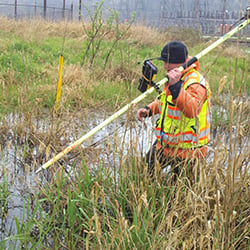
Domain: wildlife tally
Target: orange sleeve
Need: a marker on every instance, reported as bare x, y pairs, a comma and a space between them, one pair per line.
154, 106
190, 101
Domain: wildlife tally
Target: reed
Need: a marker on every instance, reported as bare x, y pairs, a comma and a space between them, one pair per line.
4, 195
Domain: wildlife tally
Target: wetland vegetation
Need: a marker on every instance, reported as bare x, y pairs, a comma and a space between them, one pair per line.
98, 196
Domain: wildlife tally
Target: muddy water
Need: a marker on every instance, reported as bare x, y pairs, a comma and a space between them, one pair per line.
120, 134
21, 185
21, 179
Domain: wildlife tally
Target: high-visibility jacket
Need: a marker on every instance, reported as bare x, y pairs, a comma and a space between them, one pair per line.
173, 128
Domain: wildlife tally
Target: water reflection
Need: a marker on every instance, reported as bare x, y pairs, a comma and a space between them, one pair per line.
124, 134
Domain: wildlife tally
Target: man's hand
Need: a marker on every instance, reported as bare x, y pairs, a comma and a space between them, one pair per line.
143, 112
174, 76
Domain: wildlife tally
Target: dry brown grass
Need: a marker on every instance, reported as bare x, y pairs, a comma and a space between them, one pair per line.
233, 50
138, 33
145, 35
76, 75
8, 78
39, 28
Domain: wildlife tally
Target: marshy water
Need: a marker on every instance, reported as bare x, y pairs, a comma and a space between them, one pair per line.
23, 150
19, 161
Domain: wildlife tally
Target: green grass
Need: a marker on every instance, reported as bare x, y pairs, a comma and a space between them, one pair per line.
4, 194
30, 65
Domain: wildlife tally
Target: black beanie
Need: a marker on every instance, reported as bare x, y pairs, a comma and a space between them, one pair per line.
174, 52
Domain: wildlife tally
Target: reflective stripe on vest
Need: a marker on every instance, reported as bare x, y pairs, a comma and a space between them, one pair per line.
174, 113
186, 137
178, 129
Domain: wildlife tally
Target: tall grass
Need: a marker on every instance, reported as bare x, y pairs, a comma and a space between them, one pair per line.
98, 197
93, 208
4, 195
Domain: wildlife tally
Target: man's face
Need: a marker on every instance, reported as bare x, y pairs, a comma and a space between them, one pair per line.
170, 66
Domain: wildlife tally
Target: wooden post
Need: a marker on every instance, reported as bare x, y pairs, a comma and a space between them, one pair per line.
63, 14
71, 12
80, 9
35, 8
15, 9
44, 8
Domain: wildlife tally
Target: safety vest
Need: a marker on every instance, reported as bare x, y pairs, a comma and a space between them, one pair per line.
174, 129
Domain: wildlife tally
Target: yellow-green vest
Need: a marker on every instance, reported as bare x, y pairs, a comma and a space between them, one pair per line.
178, 130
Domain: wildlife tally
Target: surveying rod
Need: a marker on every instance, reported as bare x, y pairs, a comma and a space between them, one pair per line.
142, 96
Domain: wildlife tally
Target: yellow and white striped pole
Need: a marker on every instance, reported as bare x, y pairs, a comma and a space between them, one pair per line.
141, 97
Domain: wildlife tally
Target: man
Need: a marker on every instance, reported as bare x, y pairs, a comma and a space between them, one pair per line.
183, 130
